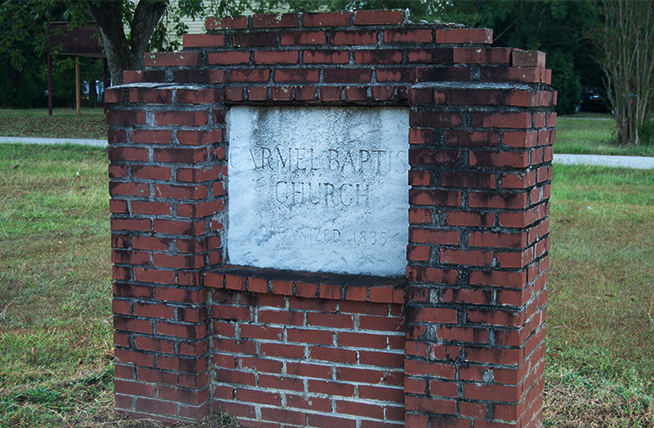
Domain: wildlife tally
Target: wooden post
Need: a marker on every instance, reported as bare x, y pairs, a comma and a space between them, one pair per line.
77, 88
49, 84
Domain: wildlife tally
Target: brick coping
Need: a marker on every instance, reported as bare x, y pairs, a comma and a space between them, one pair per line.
320, 285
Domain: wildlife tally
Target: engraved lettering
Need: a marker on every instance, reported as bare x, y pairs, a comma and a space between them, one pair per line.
277, 198
365, 195
313, 167
297, 192
299, 159
348, 161
318, 189
329, 193
403, 157
343, 197
315, 201
266, 155
254, 162
281, 158
364, 156
379, 159
334, 164
233, 158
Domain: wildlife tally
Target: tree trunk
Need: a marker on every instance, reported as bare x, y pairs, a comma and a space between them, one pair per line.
123, 53
627, 44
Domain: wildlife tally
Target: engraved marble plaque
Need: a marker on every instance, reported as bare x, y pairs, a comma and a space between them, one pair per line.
321, 189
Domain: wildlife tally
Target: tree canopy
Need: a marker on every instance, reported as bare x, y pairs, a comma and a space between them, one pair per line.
582, 38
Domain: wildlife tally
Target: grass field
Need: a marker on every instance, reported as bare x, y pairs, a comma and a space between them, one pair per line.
600, 361
55, 290
592, 134
56, 331
64, 123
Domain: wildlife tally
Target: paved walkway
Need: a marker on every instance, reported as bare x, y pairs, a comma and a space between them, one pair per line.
635, 162
97, 143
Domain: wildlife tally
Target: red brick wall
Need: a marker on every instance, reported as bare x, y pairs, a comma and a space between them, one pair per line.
285, 356
194, 335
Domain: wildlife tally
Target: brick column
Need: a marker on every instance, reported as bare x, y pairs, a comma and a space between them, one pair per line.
481, 168
167, 200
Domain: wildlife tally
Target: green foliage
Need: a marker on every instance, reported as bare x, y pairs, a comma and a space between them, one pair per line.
565, 81
22, 88
646, 133
23, 67
555, 27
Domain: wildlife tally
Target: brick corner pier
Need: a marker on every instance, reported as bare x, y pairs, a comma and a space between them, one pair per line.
458, 341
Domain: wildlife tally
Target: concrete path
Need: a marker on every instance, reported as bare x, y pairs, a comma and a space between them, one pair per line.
635, 162
97, 143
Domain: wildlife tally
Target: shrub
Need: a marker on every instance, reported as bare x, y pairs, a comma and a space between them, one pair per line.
646, 133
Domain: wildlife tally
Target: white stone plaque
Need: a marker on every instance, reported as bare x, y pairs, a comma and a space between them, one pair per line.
321, 189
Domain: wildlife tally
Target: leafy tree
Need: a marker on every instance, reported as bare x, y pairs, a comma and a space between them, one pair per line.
22, 52
552, 26
625, 41
128, 29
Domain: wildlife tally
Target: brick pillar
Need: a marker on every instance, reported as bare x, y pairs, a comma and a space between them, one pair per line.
167, 201
480, 175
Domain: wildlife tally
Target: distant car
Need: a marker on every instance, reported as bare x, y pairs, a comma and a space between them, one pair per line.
595, 101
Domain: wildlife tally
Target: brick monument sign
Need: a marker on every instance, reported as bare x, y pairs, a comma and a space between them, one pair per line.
332, 220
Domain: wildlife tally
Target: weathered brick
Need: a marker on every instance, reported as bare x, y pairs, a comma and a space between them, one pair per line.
326, 19
354, 37
276, 57
274, 20
464, 35
229, 22
303, 38
408, 35
325, 57
203, 40
164, 59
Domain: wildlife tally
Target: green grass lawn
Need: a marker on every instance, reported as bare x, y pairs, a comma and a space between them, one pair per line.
64, 123
592, 134
56, 331
600, 361
55, 293
55, 290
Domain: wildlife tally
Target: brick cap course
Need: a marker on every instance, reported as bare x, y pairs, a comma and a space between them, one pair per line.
332, 286
161, 85
473, 85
